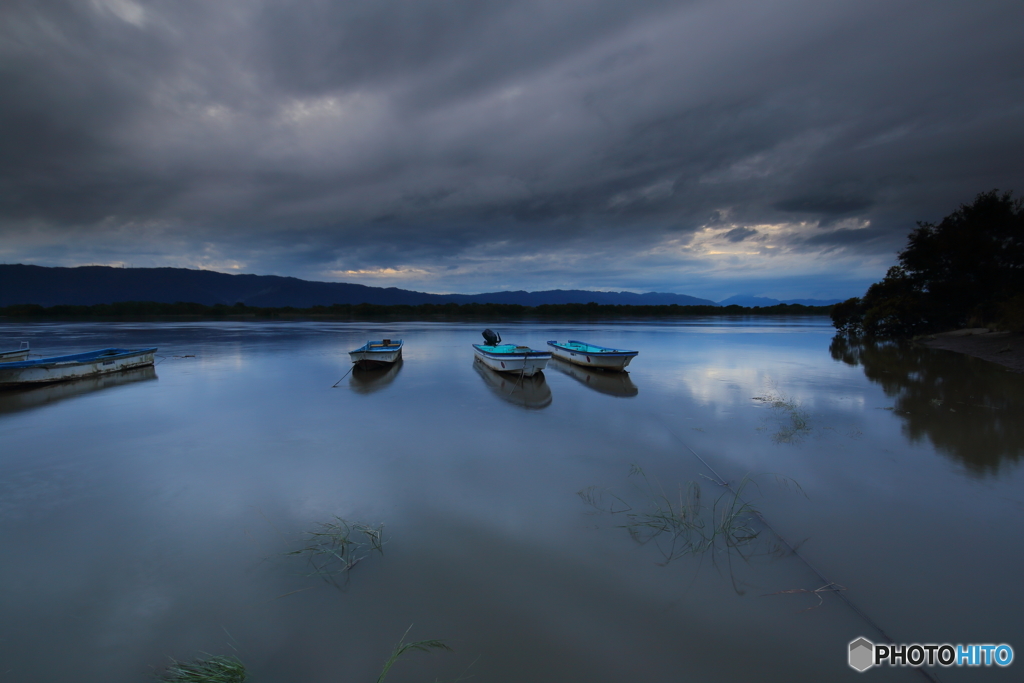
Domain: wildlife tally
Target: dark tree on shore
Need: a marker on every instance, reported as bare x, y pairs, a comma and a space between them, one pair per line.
968, 269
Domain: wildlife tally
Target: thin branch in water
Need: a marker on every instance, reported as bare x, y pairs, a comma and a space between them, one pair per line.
831, 587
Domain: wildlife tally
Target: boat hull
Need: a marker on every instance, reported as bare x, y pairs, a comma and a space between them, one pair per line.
520, 360
375, 359
377, 354
66, 368
590, 356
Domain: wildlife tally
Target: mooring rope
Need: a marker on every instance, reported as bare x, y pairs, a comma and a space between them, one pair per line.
521, 374
342, 377
867, 619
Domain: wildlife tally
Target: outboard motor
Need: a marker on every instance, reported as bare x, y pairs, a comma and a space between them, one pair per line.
491, 338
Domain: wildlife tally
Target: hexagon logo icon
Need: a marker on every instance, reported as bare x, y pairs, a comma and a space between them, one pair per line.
862, 654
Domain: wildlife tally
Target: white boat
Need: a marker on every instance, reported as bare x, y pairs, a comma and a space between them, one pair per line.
591, 355
15, 354
75, 366
374, 354
521, 360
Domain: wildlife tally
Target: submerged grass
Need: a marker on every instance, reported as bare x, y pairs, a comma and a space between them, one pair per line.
216, 669
220, 669
682, 523
792, 423
403, 647
335, 547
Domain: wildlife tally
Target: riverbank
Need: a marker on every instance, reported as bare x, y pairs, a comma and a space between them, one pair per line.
153, 311
1004, 348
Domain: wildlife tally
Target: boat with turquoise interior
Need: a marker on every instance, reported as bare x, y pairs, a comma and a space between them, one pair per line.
74, 366
592, 355
521, 360
375, 354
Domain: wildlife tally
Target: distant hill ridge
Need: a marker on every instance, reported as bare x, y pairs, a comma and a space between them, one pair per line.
91, 285
751, 301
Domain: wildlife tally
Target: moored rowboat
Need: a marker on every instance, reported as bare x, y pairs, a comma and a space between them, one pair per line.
75, 366
377, 353
510, 357
15, 354
591, 355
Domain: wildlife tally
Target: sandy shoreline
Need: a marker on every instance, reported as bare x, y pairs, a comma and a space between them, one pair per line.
1004, 348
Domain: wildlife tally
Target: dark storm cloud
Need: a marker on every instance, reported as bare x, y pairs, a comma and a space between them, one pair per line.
301, 138
739, 234
825, 205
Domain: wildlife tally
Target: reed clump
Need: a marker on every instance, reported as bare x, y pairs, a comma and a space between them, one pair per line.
792, 422
402, 647
335, 547
681, 522
220, 669
216, 669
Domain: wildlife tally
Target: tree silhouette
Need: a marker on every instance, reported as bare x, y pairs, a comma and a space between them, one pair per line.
969, 267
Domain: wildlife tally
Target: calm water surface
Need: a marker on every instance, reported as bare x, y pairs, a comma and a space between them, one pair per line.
148, 515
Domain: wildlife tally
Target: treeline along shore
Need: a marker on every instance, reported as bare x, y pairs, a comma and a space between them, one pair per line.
133, 310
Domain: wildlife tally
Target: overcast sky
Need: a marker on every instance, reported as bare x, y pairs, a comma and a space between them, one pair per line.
779, 148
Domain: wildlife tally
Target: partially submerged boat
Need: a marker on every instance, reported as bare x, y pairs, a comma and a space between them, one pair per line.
509, 357
591, 355
375, 354
74, 366
15, 354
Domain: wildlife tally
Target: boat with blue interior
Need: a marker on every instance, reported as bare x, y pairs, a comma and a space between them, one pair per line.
375, 354
74, 366
510, 357
592, 355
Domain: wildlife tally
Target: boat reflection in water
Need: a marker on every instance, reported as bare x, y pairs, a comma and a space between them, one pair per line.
368, 380
611, 383
15, 399
531, 392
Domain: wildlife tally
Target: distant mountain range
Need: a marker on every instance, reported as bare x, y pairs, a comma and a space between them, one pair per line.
751, 301
90, 285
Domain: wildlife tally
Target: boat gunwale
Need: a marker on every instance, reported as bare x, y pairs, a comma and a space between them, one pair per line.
532, 353
380, 347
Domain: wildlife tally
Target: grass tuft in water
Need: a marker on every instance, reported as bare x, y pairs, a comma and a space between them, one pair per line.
680, 523
403, 647
792, 422
335, 547
216, 669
